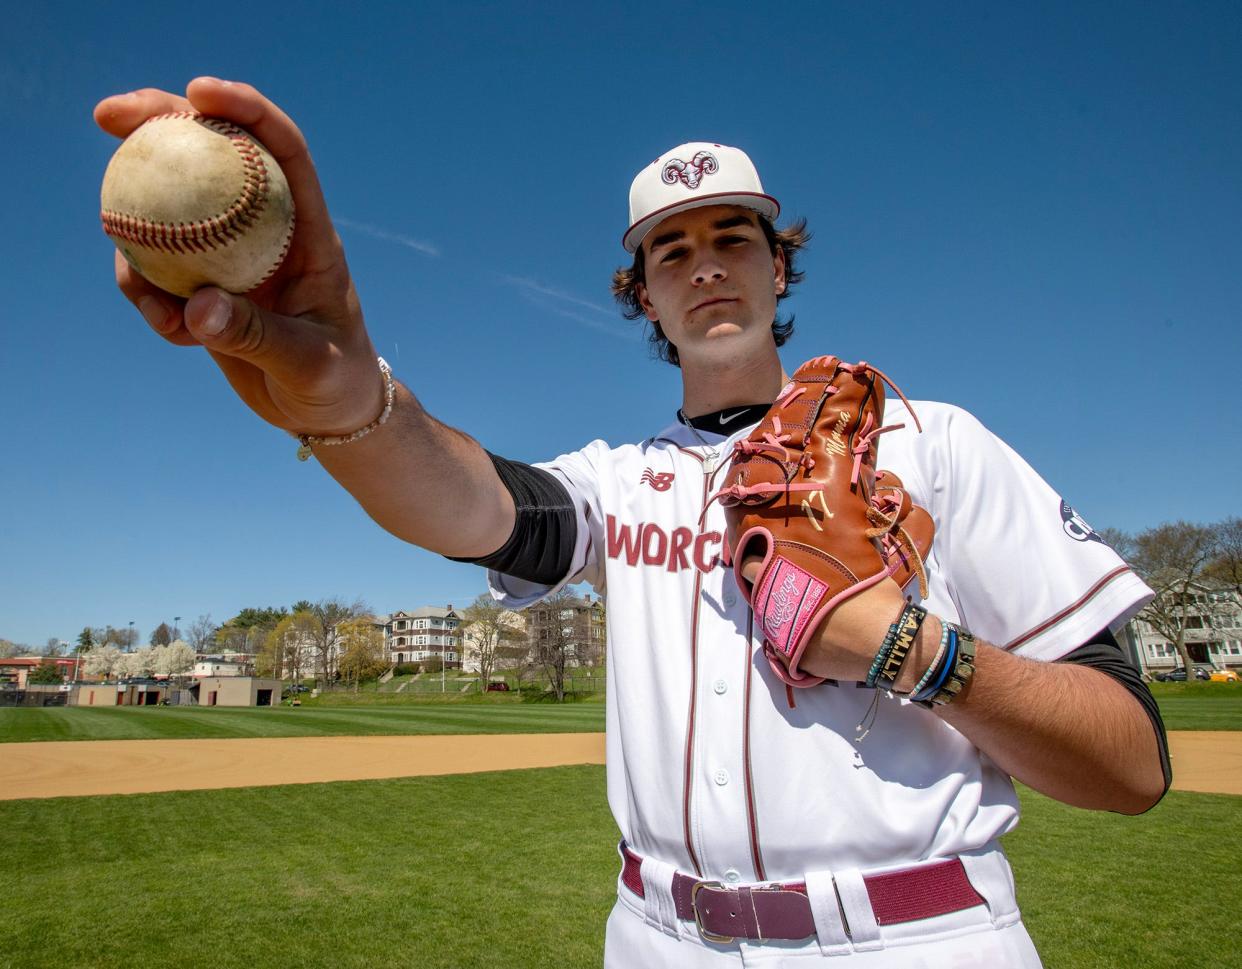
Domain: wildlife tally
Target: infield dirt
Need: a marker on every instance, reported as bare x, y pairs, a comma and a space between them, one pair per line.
1208, 761
75, 768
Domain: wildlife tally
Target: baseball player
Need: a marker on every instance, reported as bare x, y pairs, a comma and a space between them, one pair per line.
763, 824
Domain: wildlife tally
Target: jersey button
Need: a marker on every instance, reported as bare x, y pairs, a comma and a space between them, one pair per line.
730, 598
721, 777
720, 686
733, 876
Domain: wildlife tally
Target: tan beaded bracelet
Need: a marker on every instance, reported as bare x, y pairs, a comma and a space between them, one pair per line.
307, 441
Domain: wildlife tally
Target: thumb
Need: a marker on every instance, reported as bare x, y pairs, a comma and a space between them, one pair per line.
236, 327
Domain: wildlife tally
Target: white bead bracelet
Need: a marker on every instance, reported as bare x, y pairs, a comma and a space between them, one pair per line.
390, 393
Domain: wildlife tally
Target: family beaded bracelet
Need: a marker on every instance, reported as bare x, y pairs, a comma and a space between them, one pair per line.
306, 441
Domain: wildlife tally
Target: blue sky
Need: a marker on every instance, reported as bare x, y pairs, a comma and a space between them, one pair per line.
1031, 212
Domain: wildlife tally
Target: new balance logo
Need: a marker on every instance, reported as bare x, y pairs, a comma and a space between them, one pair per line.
660, 482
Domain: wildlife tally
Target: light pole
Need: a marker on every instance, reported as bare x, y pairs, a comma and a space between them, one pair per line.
176, 632
129, 640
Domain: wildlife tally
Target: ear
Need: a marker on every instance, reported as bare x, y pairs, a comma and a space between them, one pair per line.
644, 300
778, 264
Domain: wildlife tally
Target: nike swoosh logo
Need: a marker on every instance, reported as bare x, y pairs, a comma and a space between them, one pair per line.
731, 417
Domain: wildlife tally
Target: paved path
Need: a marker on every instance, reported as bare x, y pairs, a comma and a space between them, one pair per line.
1209, 761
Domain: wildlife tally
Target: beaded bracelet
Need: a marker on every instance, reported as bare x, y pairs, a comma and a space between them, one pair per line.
885, 648
963, 670
390, 393
924, 696
958, 672
909, 624
934, 667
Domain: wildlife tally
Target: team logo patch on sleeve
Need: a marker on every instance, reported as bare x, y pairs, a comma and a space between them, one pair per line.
1076, 526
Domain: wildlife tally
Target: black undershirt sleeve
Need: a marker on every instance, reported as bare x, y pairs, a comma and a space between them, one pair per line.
1103, 653
541, 546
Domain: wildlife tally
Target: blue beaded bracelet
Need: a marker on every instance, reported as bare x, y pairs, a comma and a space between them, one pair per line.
948, 663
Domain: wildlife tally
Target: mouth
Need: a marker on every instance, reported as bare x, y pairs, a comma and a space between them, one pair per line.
712, 302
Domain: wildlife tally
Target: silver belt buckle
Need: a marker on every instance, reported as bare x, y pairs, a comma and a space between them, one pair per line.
698, 919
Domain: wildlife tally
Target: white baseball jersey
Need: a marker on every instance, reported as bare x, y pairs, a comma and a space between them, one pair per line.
710, 770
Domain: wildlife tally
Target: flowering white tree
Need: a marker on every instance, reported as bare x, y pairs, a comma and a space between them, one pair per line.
138, 663
174, 659
101, 661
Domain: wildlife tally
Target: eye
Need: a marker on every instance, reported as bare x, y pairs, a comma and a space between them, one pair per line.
733, 240
673, 254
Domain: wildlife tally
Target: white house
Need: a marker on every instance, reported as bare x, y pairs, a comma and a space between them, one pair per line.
429, 632
1213, 633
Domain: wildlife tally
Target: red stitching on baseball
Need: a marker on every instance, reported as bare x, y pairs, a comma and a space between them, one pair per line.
210, 233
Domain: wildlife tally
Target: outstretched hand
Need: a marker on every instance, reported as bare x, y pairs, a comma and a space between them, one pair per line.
295, 349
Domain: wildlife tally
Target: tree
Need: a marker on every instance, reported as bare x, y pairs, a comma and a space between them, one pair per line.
162, 635
173, 659
1173, 559
488, 627
52, 647
86, 639
362, 650
1226, 568
101, 661
202, 633
331, 613
8, 648
141, 662
267, 618
248, 629
286, 650
45, 672
556, 642
111, 636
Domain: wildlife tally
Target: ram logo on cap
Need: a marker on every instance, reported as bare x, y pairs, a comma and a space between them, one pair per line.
670, 184
690, 173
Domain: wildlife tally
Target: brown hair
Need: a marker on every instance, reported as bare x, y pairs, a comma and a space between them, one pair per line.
625, 281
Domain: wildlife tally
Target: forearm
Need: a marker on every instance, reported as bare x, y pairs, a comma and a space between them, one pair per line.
425, 482
1067, 731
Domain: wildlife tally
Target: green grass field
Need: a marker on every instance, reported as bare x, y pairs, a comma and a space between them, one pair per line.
1200, 706
146, 723
513, 869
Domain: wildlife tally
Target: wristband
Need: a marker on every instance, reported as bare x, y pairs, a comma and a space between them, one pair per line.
934, 666
942, 671
963, 670
885, 649
907, 631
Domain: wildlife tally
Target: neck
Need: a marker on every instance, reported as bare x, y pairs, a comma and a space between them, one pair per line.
712, 386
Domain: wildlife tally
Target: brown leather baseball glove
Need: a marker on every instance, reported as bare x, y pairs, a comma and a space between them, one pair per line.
803, 495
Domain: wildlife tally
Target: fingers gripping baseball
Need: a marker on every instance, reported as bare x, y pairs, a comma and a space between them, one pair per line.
294, 348
297, 374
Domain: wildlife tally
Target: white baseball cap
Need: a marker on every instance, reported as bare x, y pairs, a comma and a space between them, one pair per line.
689, 176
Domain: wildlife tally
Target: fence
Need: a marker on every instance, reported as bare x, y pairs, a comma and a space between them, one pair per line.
34, 698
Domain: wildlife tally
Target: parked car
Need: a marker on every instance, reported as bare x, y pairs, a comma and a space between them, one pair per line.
498, 687
1179, 675
1225, 676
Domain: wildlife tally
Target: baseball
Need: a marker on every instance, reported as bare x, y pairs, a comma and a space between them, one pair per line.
193, 201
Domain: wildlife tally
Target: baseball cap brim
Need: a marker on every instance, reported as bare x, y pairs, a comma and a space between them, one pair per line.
765, 205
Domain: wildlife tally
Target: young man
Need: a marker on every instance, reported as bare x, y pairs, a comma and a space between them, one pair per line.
756, 831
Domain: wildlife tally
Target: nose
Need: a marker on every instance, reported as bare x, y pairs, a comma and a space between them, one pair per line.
708, 270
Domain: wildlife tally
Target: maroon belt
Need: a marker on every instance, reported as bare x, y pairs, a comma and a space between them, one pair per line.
783, 911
